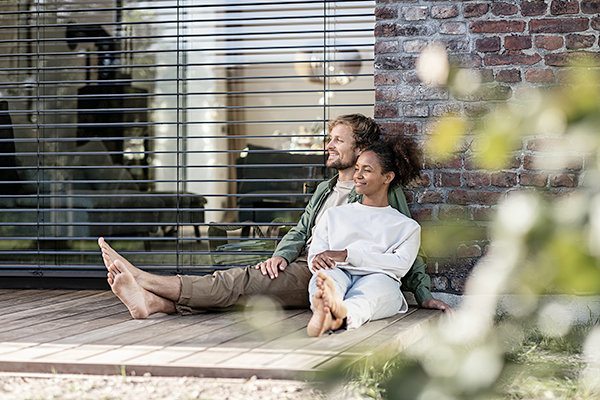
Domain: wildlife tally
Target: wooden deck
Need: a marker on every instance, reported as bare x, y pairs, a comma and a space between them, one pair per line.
91, 332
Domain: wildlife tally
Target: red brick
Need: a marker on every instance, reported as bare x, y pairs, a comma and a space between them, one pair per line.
485, 198
466, 197
590, 6
549, 144
488, 44
517, 42
504, 179
444, 12
497, 26
459, 283
387, 47
563, 180
575, 42
386, 94
439, 283
564, 76
474, 10
411, 78
533, 8
595, 23
387, 29
394, 63
548, 42
539, 75
558, 25
452, 266
385, 78
567, 59
416, 110
385, 13
478, 213
527, 93
531, 163
422, 181
453, 162
399, 128
564, 7
430, 197
512, 58
477, 179
410, 197
574, 163
451, 213
385, 111
504, 9
486, 75
447, 179
422, 214
469, 251
538, 180
465, 60
476, 110
508, 76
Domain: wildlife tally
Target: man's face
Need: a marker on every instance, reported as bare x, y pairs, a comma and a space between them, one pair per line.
342, 149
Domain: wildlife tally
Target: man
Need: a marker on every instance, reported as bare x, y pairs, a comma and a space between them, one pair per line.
288, 273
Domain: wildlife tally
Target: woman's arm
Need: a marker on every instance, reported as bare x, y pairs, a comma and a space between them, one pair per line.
396, 263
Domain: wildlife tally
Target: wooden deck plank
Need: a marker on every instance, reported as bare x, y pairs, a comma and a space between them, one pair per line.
60, 303
210, 326
167, 329
42, 315
67, 326
92, 332
41, 298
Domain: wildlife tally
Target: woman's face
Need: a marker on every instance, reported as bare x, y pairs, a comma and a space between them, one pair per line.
368, 175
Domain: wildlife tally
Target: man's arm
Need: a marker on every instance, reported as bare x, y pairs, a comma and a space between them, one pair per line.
291, 245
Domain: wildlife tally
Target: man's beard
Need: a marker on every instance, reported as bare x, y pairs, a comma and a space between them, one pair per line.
341, 165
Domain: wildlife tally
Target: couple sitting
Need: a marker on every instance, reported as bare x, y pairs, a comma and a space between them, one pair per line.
356, 272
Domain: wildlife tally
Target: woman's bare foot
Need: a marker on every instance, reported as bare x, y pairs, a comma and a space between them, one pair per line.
323, 318
331, 298
139, 301
110, 255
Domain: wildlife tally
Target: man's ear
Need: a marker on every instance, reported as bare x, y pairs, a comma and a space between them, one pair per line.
389, 177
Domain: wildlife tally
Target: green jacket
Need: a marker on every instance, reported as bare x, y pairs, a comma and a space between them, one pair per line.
293, 242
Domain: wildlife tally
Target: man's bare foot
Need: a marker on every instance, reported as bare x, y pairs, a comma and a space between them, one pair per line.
124, 285
331, 298
324, 318
110, 255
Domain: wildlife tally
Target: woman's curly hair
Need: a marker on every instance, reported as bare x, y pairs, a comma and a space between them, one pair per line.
399, 154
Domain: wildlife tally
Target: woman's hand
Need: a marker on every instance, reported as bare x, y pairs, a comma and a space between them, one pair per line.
327, 259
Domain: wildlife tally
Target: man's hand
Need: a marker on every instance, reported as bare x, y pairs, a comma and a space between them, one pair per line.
437, 304
272, 266
327, 259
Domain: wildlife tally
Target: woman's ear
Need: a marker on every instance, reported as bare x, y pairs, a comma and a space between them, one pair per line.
389, 177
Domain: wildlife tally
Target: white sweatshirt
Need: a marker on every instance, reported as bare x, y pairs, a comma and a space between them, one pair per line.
378, 239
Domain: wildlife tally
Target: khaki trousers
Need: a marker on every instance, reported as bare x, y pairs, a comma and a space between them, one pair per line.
235, 286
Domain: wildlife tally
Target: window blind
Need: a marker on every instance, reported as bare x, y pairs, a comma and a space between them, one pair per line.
188, 134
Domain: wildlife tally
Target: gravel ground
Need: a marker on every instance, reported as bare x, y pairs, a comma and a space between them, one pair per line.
89, 387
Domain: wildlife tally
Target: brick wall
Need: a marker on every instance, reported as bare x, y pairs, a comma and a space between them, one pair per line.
516, 46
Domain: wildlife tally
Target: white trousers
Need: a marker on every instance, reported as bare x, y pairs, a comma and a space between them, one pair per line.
367, 297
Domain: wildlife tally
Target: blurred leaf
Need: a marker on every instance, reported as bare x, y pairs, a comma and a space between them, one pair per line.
447, 137
500, 137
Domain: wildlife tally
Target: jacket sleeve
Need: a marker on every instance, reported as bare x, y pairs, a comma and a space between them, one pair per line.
416, 279
293, 242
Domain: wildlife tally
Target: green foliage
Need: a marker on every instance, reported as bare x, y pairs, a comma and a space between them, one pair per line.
540, 246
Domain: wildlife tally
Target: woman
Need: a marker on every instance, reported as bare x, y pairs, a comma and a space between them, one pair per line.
361, 250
